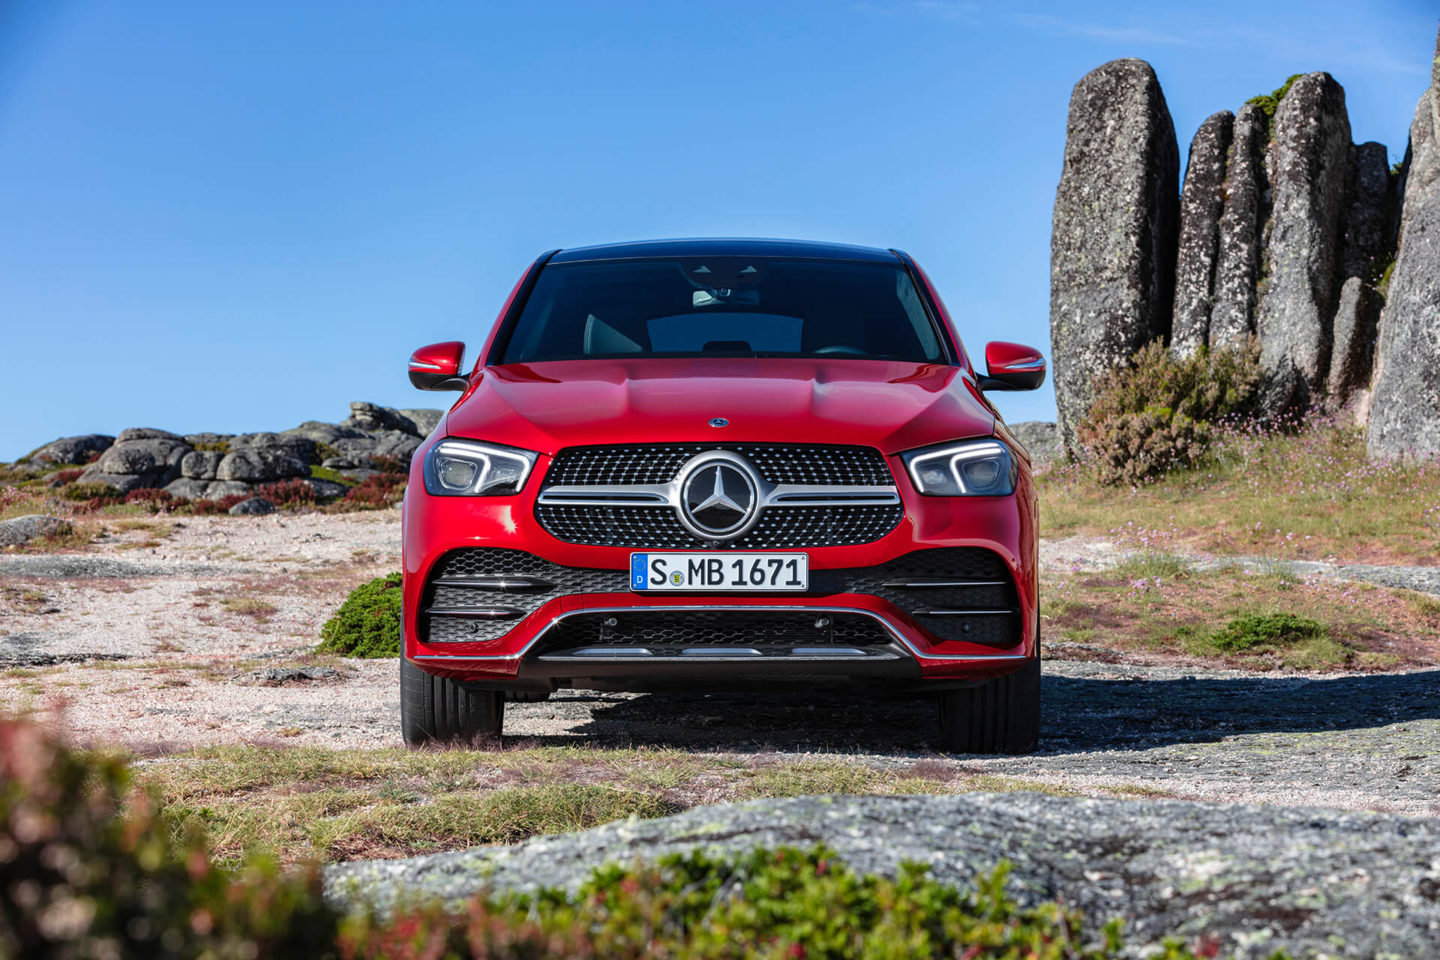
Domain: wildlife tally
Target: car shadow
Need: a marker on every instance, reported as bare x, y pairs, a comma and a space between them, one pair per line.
1079, 714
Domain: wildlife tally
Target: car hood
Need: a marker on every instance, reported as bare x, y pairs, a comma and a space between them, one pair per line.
893, 406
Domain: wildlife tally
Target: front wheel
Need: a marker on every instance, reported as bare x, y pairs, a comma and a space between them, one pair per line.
999, 716
440, 710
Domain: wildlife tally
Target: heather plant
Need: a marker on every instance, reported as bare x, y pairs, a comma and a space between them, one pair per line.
367, 623
287, 493
90, 867
1163, 413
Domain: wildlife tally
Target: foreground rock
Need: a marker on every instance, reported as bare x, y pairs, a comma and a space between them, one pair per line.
1259, 878
1405, 413
1112, 250
21, 530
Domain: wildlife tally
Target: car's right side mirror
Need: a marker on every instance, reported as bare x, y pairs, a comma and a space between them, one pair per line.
1011, 366
437, 367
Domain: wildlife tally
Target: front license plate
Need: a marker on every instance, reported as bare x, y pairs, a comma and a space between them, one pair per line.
656, 572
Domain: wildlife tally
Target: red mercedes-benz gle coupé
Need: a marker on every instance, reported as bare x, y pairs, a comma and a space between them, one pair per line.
720, 463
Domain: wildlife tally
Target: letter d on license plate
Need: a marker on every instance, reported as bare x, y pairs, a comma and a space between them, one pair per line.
754, 572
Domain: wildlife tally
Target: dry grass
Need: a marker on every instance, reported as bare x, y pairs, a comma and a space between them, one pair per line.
1309, 495
1160, 604
314, 802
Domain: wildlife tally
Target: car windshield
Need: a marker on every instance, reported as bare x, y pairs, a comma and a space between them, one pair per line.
723, 306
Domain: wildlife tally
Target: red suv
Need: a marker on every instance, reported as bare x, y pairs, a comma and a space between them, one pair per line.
720, 463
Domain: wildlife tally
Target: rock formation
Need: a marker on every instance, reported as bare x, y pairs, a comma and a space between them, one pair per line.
1201, 202
1232, 317
214, 466
1112, 250
1405, 412
1311, 165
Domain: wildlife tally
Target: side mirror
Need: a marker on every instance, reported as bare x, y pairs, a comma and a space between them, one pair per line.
437, 367
1011, 366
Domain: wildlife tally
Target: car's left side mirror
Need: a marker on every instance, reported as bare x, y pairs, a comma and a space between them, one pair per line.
1011, 366
437, 367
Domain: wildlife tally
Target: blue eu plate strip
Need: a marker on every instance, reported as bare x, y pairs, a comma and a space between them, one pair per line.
639, 570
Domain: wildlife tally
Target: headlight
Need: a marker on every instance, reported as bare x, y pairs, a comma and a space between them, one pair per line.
464, 468
974, 468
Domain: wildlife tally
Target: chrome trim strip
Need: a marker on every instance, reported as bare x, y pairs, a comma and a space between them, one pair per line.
423, 365
923, 584
710, 608
669, 495
1024, 366
475, 613
963, 613
494, 583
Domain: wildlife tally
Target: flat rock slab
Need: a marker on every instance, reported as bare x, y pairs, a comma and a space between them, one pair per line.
75, 566
1259, 878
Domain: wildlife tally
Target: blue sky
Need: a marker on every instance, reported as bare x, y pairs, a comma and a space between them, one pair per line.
237, 216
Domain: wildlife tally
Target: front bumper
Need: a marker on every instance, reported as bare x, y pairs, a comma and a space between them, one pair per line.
491, 597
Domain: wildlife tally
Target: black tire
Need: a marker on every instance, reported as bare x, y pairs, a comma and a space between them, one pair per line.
438, 710
999, 716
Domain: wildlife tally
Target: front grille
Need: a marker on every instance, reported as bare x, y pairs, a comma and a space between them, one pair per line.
659, 630
459, 582
779, 463
653, 527
658, 528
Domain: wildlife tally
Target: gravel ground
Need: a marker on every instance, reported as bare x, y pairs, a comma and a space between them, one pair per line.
1253, 878
180, 660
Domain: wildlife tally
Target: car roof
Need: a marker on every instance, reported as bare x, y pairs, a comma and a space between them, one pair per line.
724, 247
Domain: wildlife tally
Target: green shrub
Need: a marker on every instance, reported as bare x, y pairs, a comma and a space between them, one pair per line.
1267, 631
91, 868
1270, 102
102, 492
367, 623
775, 904
1161, 413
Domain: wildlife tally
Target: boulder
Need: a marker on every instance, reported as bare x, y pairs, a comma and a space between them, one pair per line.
220, 489
326, 489
1368, 234
1039, 438
277, 444
260, 465
1405, 414
370, 418
1237, 267
155, 458
21, 530
1311, 169
254, 507
1201, 203
147, 433
1354, 337
425, 420
323, 432
1112, 248
73, 449
120, 482
390, 444
201, 464
187, 488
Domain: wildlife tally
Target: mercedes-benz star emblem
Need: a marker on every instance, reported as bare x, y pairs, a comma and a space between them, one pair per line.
719, 496
719, 422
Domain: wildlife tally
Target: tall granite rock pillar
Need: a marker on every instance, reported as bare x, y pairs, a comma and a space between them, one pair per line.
1112, 249
1201, 202
1405, 414
1232, 317
1311, 163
